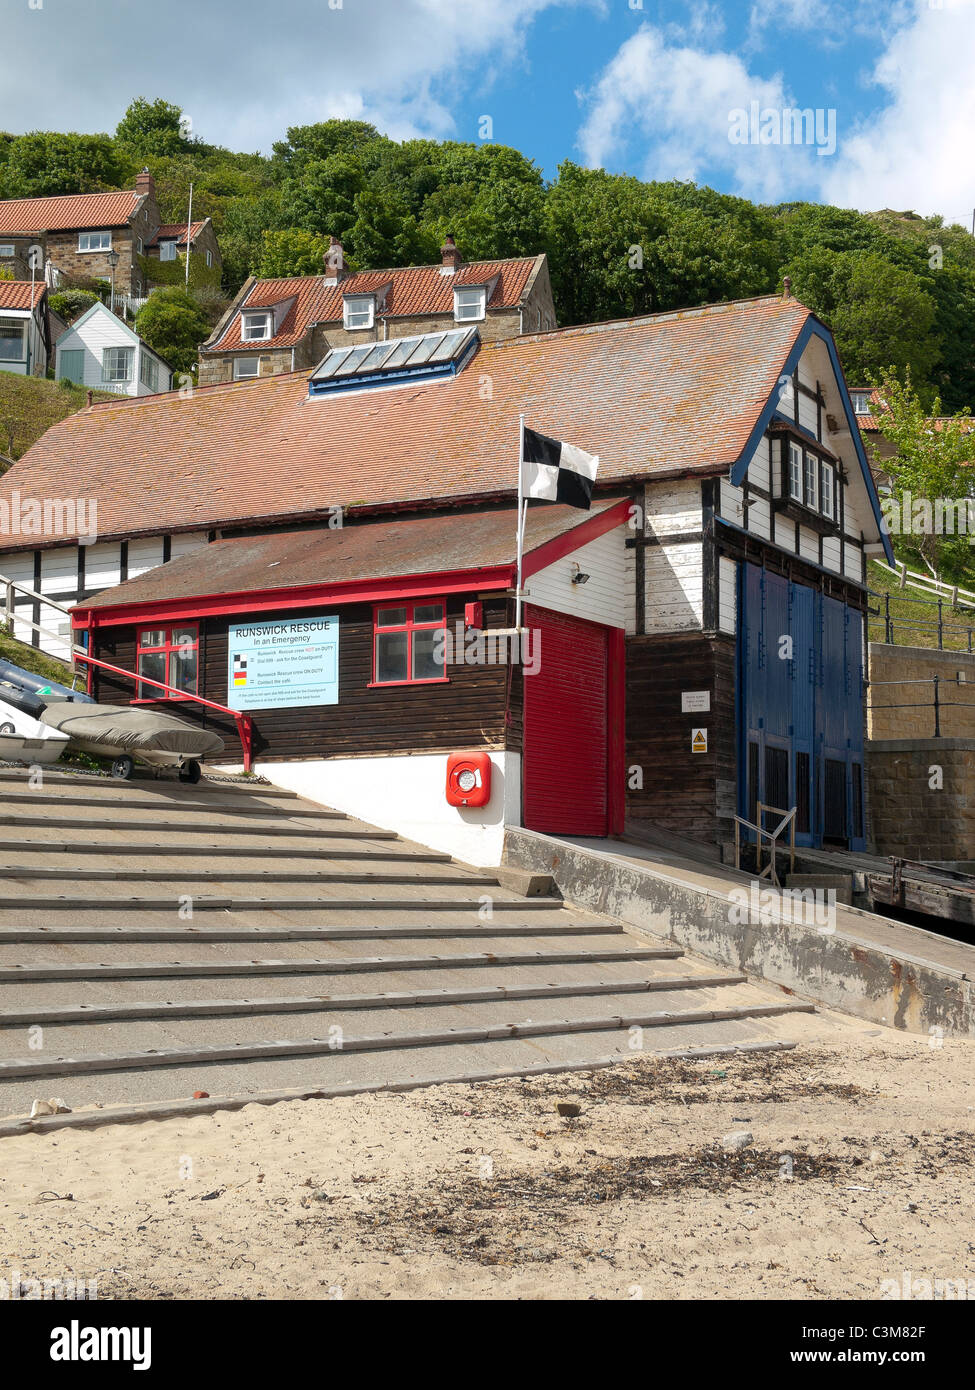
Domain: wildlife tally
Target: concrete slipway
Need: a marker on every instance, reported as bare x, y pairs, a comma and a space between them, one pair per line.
158, 939
860, 963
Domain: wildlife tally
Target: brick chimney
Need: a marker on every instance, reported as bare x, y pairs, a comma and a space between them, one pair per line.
145, 184
451, 258
335, 271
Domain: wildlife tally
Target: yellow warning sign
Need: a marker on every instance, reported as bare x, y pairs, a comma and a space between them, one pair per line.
699, 741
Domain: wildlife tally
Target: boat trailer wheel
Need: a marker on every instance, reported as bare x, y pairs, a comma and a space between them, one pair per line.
7, 728
123, 767
190, 771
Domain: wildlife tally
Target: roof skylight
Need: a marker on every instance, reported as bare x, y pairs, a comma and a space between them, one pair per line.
397, 359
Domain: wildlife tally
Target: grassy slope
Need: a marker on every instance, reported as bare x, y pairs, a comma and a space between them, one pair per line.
908, 607
31, 405
32, 660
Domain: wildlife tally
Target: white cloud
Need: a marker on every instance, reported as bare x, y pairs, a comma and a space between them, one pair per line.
916, 151
245, 70
669, 107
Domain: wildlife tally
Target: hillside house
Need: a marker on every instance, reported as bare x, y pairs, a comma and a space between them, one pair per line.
73, 237
696, 639
26, 328
276, 326
102, 352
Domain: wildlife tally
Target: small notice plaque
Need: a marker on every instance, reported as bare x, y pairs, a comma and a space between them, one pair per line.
699, 741
695, 701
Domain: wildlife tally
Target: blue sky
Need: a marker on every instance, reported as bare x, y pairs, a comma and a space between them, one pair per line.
647, 87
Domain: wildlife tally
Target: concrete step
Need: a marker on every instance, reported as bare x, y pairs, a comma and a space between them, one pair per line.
161, 782
630, 1016
216, 822
198, 874
28, 851
349, 964
165, 1009
114, 936
155, 1093
227, 839
271, 807
115, 896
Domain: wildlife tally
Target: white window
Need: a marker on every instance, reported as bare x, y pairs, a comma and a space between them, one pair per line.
861, 402
253, 327
138, 245
812, 481
795, 472
209, 259
167, 250
7, 249
359, 311
246, 367
826, 489
149, 371
94, 241
117, 364
12, 340
469, 303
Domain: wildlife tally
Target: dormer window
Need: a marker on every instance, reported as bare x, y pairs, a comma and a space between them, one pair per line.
861, 402
167, 250
808, 486
469, 303
359, 310
255, 326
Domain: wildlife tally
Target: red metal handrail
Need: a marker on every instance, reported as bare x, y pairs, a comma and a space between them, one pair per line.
245, 729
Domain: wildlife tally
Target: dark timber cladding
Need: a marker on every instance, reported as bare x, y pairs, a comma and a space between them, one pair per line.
466, 711
684, 794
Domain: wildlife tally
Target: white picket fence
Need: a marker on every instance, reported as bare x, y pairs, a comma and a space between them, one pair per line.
926, 584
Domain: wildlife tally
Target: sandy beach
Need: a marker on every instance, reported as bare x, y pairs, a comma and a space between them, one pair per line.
859, 1171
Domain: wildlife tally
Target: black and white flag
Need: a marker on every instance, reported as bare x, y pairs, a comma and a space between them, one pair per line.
557, 472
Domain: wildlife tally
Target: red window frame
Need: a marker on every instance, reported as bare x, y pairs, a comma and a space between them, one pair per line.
166, 649
409, 627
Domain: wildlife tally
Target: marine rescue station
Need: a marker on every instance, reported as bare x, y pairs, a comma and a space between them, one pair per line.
695, 641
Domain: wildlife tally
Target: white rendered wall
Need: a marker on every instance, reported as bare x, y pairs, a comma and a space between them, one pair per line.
406, 794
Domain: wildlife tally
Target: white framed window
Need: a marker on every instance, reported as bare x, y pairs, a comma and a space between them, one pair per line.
826, 489
7, 249
117, 364
12, 340
209, 259
469, 303
94, 241
359, 311
167, 250
812, 481
861, 402
149, 372
795, 472
254, 327
139, 246
246, 367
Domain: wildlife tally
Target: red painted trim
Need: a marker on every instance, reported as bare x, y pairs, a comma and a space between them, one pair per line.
569, 541
415, 586
616, 715
386, 685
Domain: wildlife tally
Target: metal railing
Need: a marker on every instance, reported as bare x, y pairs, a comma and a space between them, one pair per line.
935, 626
936, 704
788, 821
11, 587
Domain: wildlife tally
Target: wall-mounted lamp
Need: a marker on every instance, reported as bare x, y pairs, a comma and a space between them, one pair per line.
578, 577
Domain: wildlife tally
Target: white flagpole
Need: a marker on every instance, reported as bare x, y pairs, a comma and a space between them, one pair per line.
520, 542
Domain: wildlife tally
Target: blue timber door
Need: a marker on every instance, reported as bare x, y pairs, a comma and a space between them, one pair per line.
800, 710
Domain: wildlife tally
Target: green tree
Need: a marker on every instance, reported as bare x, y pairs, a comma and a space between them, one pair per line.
291, 252
172, 322
931, 467
880, 314
152, 128
70, 304
45, 163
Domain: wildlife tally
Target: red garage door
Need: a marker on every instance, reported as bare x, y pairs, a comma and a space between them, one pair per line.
566, 750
